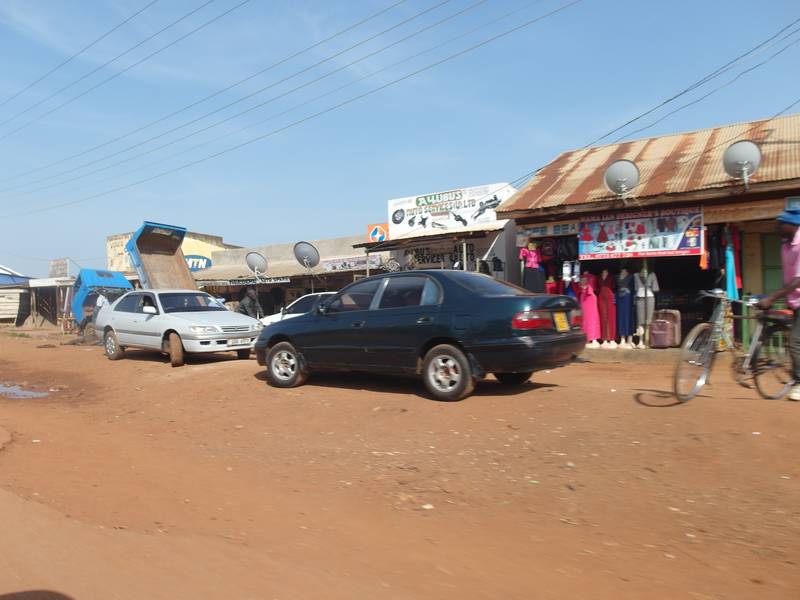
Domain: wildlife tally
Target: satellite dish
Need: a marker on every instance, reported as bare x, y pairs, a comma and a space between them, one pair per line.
306, 254
741, 160
257, 263
622, 176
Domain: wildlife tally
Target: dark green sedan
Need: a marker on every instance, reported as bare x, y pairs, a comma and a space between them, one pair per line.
451, 327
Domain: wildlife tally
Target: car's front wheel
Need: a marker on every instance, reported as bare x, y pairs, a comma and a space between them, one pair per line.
284, 366
111, 343
176, 358
513, 378
447, 373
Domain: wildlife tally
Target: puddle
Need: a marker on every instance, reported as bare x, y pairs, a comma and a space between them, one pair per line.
16, 392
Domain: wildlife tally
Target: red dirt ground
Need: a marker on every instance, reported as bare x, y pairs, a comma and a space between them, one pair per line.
136, 480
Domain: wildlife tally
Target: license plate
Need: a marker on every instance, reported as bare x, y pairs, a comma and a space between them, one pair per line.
238, 341
561, 322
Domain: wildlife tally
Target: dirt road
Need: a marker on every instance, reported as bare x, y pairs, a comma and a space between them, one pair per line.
135, 480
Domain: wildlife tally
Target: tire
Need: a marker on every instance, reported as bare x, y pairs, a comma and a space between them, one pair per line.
285, 367
243, 354
694, 363
176, 358
772, 364
111, 344
513, 378
447, 373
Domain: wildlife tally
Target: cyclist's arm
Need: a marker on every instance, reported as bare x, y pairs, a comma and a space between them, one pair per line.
772, 298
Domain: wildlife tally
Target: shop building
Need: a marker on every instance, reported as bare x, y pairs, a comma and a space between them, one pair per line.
286, 279
14, 296
453, 229
678, 221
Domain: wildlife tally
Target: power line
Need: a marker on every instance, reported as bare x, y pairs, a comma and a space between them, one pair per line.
77, 54
293, 108
212, 95
309, 117
126, 69
693, 86
239, 114
246, 97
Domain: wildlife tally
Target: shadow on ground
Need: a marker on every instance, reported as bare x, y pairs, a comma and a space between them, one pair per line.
35, 595
355, 380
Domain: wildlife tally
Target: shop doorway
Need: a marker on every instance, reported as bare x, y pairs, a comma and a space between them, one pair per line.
771, 262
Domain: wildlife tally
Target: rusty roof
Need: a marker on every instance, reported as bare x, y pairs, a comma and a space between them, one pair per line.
672, 167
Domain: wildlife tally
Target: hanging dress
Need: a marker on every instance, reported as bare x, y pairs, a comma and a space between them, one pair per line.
625, 324
588, 300
606, 308
533, 276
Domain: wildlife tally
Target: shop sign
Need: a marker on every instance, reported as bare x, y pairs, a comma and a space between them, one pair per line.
248, 281
59, 267
644, 234
351, 263
545, 230
195, 262
378, 232
445, 254
452, 210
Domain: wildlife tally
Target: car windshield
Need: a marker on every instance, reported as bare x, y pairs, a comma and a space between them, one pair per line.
486, 285
189, 302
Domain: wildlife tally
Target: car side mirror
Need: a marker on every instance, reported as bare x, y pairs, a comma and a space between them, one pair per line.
149, 310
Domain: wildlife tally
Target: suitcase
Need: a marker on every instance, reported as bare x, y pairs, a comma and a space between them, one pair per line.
662, 334
674, 317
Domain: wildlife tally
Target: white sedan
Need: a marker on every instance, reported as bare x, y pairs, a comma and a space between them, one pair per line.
304, 304
175, 322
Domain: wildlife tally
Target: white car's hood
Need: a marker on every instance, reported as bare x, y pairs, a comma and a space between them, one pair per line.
213, 317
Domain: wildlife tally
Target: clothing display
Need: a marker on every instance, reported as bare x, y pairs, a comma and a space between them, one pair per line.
588, 298
533, 280
625, 324
606, 307
531, 258
646, 285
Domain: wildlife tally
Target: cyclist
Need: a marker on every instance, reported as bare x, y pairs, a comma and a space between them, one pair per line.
788, 227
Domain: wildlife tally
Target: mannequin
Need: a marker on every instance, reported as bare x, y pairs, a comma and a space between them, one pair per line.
606, 309
591, 317
646, 285
530, 262
625, 326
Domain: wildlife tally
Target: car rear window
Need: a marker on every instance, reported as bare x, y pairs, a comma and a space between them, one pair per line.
485, 285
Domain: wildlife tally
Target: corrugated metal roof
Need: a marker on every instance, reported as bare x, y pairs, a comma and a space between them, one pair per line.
670, 165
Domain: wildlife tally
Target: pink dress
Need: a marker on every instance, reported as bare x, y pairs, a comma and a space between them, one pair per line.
588, 299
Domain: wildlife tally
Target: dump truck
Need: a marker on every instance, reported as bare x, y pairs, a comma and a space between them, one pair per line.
88, 285
155, 251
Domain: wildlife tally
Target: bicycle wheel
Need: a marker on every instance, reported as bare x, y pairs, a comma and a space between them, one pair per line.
694, 362
772, 364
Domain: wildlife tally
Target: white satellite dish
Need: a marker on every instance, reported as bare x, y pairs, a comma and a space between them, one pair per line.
257, 263
621, 176
741, 160
308, 256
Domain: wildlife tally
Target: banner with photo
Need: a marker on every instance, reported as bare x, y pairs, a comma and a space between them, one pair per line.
643, 234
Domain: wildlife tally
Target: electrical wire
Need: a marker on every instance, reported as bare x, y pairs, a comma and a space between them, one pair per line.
126, 69
308, 118
213, 94
80, 52
252, 94
293, 108
234, 116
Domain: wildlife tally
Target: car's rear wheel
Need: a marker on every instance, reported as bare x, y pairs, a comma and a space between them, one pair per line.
447, 373
113, 350
176, 358
513, 378
243, 354
285, 367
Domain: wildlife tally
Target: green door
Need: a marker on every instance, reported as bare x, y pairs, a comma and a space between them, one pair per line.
771, 262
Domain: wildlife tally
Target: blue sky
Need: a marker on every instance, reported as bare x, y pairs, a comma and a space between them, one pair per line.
491, 115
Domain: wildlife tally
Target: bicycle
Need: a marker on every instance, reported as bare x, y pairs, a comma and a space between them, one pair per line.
768, 360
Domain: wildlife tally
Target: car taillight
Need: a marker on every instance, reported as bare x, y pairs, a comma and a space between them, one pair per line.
532, 319
576, 317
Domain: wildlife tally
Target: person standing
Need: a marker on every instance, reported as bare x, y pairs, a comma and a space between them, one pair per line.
788, 227
250, 305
